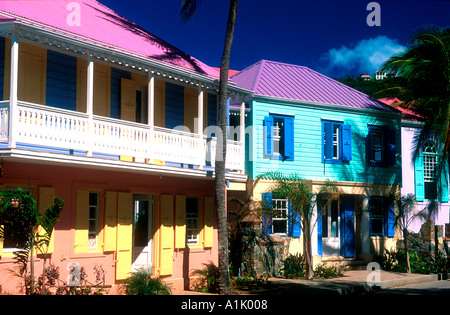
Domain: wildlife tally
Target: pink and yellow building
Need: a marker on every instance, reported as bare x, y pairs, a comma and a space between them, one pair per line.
121, 126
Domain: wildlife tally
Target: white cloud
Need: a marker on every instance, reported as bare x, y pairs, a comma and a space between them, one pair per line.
364, 56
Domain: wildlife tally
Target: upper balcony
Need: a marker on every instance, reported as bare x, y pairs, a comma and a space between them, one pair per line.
78, 106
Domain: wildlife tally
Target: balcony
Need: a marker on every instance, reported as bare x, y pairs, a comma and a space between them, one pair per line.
47, 129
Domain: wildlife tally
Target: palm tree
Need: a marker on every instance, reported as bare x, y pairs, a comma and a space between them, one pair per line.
423, 82
303, 203
405, 216
187, 11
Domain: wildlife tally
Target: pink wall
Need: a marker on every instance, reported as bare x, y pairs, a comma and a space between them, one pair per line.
408, 179
67, 180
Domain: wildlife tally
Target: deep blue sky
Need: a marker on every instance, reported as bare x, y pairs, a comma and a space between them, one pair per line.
330, 36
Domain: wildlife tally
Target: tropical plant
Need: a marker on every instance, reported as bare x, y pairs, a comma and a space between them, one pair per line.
404, 217
28, 229
206, 280
142, 283
423, 82
187, 12
303, 206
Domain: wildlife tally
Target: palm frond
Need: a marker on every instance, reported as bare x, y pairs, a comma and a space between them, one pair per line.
188, 9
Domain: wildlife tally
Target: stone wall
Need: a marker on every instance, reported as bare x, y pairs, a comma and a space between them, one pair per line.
262, 255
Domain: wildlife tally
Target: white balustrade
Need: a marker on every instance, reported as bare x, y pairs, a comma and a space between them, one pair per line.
46, 126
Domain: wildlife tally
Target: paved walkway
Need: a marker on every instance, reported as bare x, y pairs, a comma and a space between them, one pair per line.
353, 282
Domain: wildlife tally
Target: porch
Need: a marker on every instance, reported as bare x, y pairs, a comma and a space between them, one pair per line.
41, 128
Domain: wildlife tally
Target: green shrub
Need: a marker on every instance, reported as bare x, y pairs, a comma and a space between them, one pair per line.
248, 282
395, 260
142, 283
294, 267
207, 279
327, 272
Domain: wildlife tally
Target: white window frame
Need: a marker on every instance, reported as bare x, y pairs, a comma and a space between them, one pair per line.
93, 233
192, 224
277, 207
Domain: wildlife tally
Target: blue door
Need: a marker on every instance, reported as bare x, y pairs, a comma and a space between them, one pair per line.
349, 226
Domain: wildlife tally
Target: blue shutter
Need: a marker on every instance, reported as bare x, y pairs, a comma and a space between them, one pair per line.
390, 220
289, 138
295, 226
443, 183
418, 166
266, 218
346, 143
61, 90
268, 136
391, 149
319, 227
328, 138
349, 226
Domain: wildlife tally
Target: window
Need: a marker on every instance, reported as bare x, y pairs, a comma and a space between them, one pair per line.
381, 142
192, 221
279, 137
376, 215
429, 170
13, 219
93, 220
280, 216
377, 146
431, 177
277, 217
336, 142
382, 216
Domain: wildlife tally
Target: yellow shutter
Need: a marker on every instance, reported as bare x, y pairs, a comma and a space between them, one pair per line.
82, 221
180, 222
166, 235
46, 195
124, 235
110, 233
209, 222
128, 100
32, 73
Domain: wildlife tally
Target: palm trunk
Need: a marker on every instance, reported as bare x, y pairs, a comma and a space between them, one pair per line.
307, 250
225, 287
405, 243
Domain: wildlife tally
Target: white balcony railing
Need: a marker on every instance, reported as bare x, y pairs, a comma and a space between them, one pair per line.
44, 126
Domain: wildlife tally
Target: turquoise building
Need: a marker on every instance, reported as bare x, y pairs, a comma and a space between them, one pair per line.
302, 122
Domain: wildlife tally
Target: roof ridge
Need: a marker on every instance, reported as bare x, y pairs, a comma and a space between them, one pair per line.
258, 76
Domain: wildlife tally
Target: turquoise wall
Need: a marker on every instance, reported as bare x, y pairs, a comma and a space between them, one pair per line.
308, 140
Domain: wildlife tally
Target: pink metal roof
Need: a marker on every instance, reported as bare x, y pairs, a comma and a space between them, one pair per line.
276, 79
408, 114
100, 25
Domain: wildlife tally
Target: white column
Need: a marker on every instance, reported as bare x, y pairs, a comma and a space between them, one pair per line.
201, 142
242, 134
151, 100
365, 227
90, 102
242, 124
151, 113
314, 245
14, 81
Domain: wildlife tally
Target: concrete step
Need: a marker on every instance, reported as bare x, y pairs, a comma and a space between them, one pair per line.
350, 263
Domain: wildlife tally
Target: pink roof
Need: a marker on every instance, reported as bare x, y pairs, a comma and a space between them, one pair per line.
230, 72
276, 79
102, 26
408, 114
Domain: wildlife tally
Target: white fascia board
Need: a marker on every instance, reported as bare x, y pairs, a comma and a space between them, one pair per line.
34, 157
